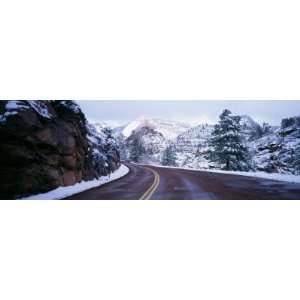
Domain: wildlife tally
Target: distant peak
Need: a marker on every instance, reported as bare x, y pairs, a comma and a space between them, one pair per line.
168, 128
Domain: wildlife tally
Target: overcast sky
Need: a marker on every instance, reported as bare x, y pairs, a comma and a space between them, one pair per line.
121, 112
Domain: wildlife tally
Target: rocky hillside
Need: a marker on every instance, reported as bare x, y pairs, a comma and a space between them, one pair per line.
279, 149
272, 149
191, 147
190, 143
46, 144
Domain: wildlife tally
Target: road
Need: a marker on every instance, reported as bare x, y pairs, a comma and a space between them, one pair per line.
155, 183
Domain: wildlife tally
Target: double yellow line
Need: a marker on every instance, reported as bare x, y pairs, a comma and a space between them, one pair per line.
148, 194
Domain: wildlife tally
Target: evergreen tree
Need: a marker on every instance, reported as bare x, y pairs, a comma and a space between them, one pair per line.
136, 149
169, 156
110, 146
228, 149
109, 141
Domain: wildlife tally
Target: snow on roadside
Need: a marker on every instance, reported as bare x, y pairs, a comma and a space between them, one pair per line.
66, 191
272, 176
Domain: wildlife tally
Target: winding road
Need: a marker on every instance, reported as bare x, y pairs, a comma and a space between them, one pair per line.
160, 183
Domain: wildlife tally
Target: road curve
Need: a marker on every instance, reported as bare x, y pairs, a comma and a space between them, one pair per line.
130, 187
155, 183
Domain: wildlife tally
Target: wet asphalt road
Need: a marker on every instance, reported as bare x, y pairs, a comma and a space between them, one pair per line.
155, 183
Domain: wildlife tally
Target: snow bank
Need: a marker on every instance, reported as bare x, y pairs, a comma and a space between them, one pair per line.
272, 176
66, 191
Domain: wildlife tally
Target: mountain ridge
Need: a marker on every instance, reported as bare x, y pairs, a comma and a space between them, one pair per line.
191, 143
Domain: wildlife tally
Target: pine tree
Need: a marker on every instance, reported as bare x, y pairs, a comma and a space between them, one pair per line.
169, 156
110, 146
228, 149
109, 141
136, 149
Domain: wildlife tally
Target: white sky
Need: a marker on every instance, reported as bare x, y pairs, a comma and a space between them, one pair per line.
121, 112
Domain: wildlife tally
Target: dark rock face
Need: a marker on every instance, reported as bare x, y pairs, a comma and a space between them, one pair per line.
46, 144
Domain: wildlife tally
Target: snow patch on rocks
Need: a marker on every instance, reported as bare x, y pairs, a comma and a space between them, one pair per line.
12, 108
41, 108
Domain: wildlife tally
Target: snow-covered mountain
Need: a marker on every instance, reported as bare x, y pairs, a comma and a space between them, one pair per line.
272, 149
169, 129
154, 136
190, 143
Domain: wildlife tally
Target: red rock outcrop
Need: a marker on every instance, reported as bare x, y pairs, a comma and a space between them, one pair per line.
47, 144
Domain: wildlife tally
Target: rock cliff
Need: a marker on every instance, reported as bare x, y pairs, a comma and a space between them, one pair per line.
47, 144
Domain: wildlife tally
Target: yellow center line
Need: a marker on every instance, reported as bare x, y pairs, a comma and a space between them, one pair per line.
148, 194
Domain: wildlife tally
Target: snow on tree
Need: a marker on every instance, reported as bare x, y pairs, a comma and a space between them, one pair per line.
169, 156
228, 150
136, 149
110, 145
109, 142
